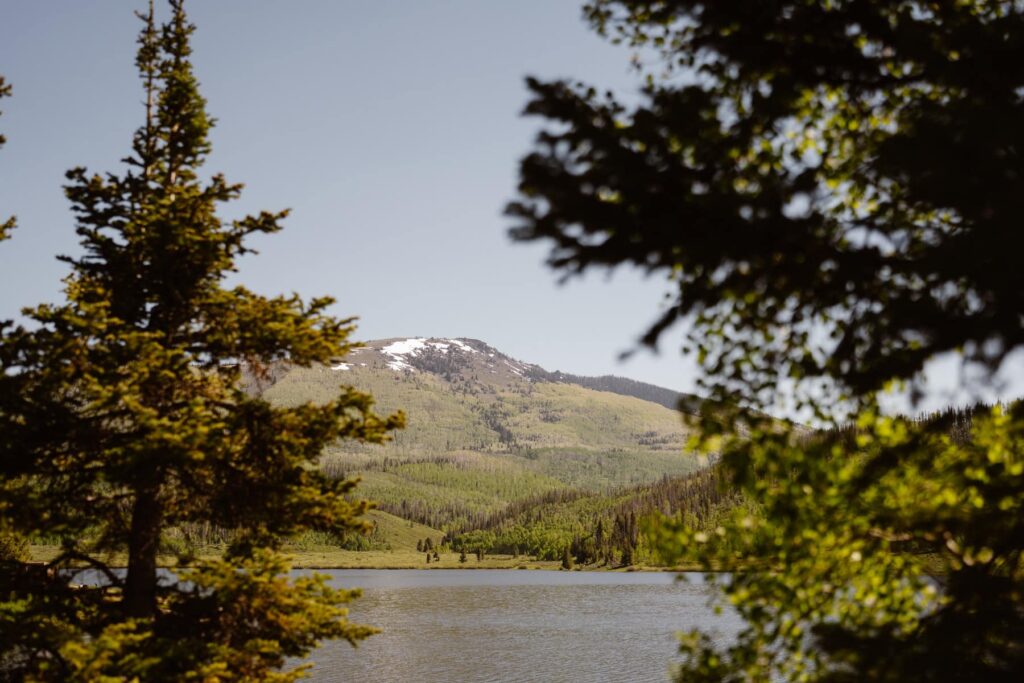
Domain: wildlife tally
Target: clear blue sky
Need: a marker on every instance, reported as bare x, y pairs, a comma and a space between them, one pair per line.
393, 131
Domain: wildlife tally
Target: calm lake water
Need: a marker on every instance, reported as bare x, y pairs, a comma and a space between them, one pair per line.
507, 626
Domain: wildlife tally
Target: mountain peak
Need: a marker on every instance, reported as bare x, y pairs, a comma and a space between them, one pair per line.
473, 362
453, 359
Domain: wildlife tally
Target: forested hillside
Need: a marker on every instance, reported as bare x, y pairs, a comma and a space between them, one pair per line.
600, 527
488, 434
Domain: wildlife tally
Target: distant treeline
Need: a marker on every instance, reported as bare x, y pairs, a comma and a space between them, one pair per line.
957, 422
624, 386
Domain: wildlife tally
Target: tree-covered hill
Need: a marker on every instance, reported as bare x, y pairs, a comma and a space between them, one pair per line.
486, 431
601, 527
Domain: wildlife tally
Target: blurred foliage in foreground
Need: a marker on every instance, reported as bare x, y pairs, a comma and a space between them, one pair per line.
834, 190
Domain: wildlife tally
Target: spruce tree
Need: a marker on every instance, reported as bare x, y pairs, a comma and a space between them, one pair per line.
122, 415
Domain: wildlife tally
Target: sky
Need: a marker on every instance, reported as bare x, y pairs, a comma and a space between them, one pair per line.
391, 129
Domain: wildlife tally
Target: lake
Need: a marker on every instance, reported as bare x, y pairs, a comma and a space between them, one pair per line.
508, 625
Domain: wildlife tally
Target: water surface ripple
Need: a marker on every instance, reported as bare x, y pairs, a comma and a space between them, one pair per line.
511, 626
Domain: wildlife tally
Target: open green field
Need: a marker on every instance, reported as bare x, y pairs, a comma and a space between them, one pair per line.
401, 534
331, 558
342, 559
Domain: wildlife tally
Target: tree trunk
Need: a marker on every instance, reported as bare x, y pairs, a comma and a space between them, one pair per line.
143, 543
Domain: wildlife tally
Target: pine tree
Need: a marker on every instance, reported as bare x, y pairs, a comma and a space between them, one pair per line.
600, 541
566, 558
462, 556
121, 415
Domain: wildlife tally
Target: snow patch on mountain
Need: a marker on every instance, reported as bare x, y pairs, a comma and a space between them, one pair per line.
463, 345
399, 352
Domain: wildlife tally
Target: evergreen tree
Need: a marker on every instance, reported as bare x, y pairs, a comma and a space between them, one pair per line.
567, 562
121, 415
462, 556
419, 546
437, 558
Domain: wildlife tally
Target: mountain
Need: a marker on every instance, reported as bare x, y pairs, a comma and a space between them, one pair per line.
486, 431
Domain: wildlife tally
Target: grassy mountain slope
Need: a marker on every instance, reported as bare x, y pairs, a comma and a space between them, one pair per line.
486, 430
674, 400
399, 533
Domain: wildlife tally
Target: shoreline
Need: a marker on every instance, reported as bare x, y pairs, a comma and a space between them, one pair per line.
328, 559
